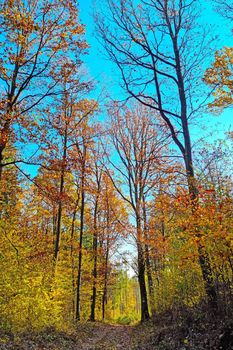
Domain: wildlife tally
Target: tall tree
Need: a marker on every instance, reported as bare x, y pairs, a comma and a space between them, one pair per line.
98, 173
134, 135
152, 43
34, 35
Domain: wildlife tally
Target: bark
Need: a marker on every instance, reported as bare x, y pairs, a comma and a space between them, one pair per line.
94, 272
204, 260
105, 293
148, 263
82, 212
72, 254
150, 280
5, 134
141, 274
61, 190
3, 142
54, 224
142, 284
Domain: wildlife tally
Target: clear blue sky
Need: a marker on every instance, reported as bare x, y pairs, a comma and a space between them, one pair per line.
105, 73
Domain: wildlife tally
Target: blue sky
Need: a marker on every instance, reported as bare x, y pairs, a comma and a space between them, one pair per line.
104, 72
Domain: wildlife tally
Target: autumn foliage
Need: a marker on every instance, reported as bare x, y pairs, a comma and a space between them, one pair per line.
115, 219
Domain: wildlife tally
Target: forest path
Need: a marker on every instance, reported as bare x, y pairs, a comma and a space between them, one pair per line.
87, 336
100, 336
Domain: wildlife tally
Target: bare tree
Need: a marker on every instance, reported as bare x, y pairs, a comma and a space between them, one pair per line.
224, 8
159, 49
98, 172
134, 136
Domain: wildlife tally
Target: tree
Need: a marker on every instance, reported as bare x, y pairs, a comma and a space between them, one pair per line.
34, 36
134, 135
220, 77
224, 8
98, 173
152, 43
83, 142
109, 219
64, 117
115, 219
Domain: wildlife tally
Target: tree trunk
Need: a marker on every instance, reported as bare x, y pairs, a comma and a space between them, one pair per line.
80, 255
104, 300
4, 136
82, 212
204, 260
150, 280
148, 263
142, 284
59, 212
94, 272
203, 256
72, 255
141, 270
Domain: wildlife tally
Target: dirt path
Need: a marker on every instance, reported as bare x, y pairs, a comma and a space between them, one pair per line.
105, 336
88, 336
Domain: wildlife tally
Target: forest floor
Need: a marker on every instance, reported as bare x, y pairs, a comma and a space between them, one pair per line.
161, 333
88, 336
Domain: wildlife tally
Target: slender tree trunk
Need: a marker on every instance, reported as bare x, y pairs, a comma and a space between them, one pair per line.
72, 255
141, 273
105, 293
2, 147
54, 224
61, 190
82, 212
80, 255
94, 272
4, 136
148, 263
150, 280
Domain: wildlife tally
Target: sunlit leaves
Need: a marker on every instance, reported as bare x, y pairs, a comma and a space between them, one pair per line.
220, 77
